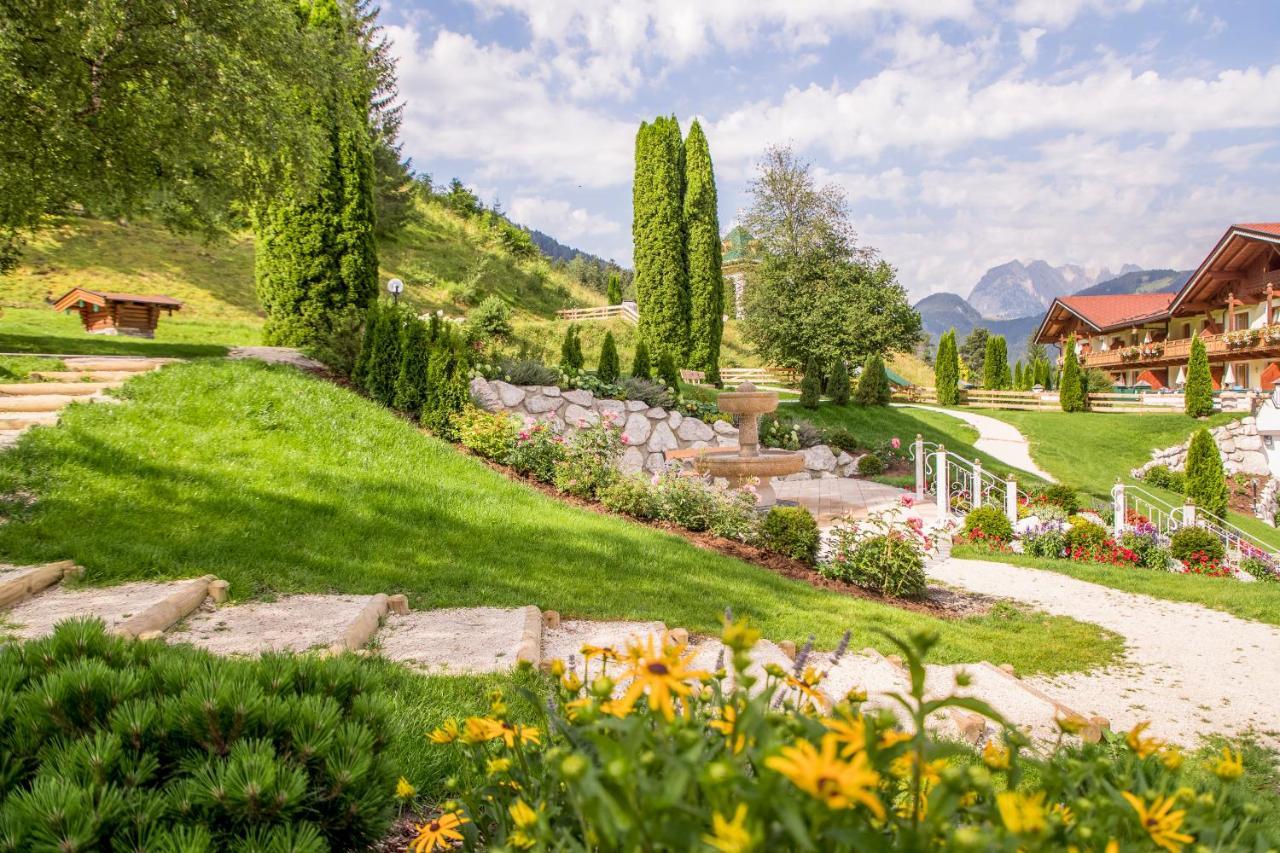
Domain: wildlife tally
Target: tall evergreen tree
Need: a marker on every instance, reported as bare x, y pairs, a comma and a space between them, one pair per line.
811, 385
1206, 482
873, 384
607, 370
615, 289
1017, 375
571, 360
838, 383
668, 374
1070, 387
640, 366
412, 390
1198, 392
995, 364
658, 238
706, 281
383, 367
946, 370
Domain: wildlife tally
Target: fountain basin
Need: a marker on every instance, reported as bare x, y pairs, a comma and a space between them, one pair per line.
767, 463
747, 402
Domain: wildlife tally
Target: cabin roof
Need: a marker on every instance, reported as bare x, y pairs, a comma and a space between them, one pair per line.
102, 297
1232, 250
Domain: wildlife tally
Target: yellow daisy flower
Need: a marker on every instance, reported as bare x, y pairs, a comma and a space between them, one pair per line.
1160, 822
1143, 746
892, 737
995, 756
850, 731
1171, 757
822, 775
447, 733
522, 815
1023, 814
440, 833
404, 790
730, 836
1230, 767
727, 725
662, 675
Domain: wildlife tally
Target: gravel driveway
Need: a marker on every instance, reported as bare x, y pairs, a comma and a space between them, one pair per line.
1188, 669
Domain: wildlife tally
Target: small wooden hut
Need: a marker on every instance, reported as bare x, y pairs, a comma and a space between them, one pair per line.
117, 313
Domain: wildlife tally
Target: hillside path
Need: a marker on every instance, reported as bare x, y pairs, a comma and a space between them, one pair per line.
998, 439
1188, 669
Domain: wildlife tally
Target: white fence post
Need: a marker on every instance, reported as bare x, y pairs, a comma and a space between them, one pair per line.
940, 480
920, 484
1189, 513
1011, 499
1117, 504
977, 483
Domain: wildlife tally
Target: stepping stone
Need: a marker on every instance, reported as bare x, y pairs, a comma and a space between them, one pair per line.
22, 420
294, 623
37, 403
72, 389
119, 364
82, 375
463, 640
1021, 705
118, 606
568, 639
18, 583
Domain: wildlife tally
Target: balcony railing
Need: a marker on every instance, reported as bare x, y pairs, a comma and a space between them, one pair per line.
1244, 342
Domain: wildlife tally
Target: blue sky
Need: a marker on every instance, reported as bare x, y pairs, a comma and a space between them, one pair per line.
964, 132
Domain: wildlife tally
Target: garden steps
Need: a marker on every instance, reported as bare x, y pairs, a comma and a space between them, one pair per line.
292, 623
141, 609
122, 364
463, 640
82, 375
1023, 706
67, 389
564, 639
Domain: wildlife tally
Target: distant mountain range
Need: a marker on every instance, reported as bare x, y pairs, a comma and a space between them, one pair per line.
1011, 299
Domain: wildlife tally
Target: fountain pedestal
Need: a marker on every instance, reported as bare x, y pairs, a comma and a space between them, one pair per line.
750, 461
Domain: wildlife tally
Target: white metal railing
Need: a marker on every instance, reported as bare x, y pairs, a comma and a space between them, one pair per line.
958, 484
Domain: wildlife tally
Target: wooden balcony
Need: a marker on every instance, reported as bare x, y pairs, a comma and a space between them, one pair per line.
1230, 346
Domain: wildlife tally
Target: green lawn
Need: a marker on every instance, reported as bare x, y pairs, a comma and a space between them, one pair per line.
46, 331
1257, 601
17, 368
280, 482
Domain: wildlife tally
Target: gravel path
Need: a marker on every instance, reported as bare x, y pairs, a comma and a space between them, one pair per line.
1188, 669
997, 438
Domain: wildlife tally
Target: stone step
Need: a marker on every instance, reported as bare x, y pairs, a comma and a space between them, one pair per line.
22, 420
117, 364
292, 623
18, 583
463, 640
72, 389
41, 403
140, 609
1022, 705
566, 640
82, 375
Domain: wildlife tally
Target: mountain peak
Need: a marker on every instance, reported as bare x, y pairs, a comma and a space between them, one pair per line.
1017, 289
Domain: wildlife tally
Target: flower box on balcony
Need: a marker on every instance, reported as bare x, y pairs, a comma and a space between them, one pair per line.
1242, 338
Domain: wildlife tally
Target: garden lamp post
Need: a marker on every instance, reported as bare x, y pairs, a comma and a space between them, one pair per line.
395, 287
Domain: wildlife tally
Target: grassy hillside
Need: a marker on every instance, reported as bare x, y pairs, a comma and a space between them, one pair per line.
544, 337
280, 482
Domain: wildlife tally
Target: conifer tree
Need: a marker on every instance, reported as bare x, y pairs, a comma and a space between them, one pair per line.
811, 385
1206, 481
658, 238
360, 371
615, 289
995, 365
412, 390
607, 370
838, 383
571, 360
1017, 375
706, 281
383, 368
640, 367
1070, 388
1198, 392
873, 384
668, 374
946, 370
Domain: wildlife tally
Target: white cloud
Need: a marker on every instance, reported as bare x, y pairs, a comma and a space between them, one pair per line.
1029, 42
1059, 13
559, 218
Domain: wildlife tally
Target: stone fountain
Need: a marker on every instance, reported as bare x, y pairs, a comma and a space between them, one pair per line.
750, 460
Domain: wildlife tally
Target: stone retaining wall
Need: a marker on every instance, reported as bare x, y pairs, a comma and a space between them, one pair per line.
1238, 443
650, 431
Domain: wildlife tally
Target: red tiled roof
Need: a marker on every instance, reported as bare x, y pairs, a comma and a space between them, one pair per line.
1107, 312
1265, 227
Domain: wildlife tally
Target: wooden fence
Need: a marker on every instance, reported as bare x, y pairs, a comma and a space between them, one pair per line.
732, 376
627, 311
1141, 403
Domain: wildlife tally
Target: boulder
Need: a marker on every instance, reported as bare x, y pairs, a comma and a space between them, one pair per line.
579, 397
632, 461
692, 429
725, 428
1249, 442
1227, 446
614, 406
698, 444
801, 475
484, 396
576, 416
550, 391
537, 404
656, 414
655, 462
636, 405
726, 441
1255, 464
637, 429
674, 420
510, 395
662, 438
819, 458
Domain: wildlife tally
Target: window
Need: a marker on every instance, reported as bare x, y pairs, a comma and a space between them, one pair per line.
1242, 375
1241, 320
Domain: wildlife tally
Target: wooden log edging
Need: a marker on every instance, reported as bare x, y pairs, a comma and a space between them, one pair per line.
23, 585
530, 648
361, 629
168, 611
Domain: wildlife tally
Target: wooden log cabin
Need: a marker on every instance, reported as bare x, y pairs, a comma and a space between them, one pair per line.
104, 313
1232, 301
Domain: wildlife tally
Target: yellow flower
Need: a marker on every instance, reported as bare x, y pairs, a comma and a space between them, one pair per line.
850, 731
995, 756
1023, 814
522, 815
556, 668
1171, 758
824, 776
739, 636
497, 766
571, 681
930, 771
521, 840
1230, 767
404, 790
1143, 746
1161, 823
807, 686
661, 674
447, 733
1064, 813
1071, 724
730, 836
480, 729
605, 653
968, 799
727, 725
439, 833
890, 738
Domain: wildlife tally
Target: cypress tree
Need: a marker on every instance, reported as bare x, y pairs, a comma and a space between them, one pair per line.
448, 380
873, 385
640, 367
1198, 392
615, 289
706, 280
383, 368
667, 373
838, 383
1070, 390
415, 362
658, 237
571, 360
607, 370
1206, 482
995, 366
946, 370
811, 385
359, 372
1017, 375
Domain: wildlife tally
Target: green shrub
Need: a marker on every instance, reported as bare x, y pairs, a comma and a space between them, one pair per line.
1164, 477
1198, 391
873, 384
870, 465
667, 373
490, 319
686, 501
946, 370
487, 434
880, 556
633, 496
735, 515
107, 744
1071, 394
382, 362
1086, 535
811, 385
571, 359
841, 439
640, 368
1258, 569
528, 372
838, 383
1188, 541
608, 369
412, 390
590, 459
792, 532
1058, 495
990, 522
1151, 554
338, 344
614, 292
1206, 482
449, 379
537, 451
1048, 539
653, 394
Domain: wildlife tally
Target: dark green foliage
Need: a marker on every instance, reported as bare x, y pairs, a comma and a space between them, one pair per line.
995, 364
991, 523
1086, 535
490, 319
615, 289
1189, 541
1042, 374
1198, 392
1071, 387
873, 384
792, 532
870, 465
706, 281
1206, 483
340, 347
658, 237
667, 373
973, 352
1163, 477
838, 383
571, 359
1056, 494
640, 367
840, 439
1017, 375
946, 370
608, 369
811, 386
108, 744
412, 391
382, 368
449, 379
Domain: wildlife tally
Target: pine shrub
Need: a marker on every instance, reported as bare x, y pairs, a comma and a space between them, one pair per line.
792, 532
1198, 392
995, 367
415, 362
383, 366
615, 289
1206, 482
640, 367
608, 369
946, 370
810, 386
1071, 389
449, 381
571, 360
113, 745
873, 384
838, 383
667, 373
